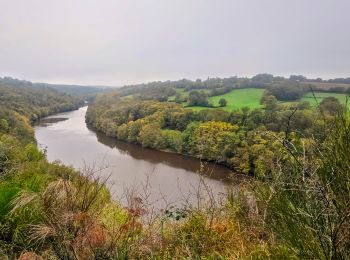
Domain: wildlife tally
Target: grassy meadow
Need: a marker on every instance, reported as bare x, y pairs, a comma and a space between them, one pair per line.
250, 97
309, 97
238, 98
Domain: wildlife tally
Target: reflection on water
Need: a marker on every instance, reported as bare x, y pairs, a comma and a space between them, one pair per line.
187, 163
67, 138
49, 120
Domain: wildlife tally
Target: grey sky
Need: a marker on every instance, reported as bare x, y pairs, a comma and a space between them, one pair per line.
118, 42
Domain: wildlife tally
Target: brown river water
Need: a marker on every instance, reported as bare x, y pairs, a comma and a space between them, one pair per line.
159, 177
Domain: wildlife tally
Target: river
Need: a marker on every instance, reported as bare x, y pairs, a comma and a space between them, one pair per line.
158, 177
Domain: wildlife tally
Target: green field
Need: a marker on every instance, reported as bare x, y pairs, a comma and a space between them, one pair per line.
250, 97
236, 99
128, 96
321, 95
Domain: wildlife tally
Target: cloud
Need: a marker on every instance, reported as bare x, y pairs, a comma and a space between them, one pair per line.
121, 42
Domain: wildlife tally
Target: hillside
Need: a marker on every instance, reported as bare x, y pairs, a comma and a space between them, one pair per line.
84, 92
285, 144
48, 210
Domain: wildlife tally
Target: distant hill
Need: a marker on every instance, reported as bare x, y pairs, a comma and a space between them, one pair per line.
81, 90
75, 89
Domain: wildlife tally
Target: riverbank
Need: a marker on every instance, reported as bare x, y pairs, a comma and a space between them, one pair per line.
168, 151
169, 175
238, 140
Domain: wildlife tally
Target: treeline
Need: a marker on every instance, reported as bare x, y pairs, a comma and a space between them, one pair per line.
242, 140
320, 80
35, 103
21, 105
293, 87
31, 191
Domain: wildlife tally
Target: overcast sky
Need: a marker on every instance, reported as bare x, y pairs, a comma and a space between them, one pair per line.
117, 42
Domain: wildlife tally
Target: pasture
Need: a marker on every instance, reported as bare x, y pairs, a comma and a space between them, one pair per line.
250, 97
236, 99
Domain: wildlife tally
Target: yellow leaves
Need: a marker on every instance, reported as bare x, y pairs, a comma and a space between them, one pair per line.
214, 126
210, 139
113, 216
149, 135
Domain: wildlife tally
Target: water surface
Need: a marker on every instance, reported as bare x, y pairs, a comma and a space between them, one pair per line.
158, 175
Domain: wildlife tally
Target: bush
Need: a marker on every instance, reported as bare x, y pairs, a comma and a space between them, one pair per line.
222, 102
287, 90
331, 105
198, 98
170, 139
306, 199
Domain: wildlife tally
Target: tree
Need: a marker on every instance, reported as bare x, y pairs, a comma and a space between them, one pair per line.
222, 102
4, 126
261, 80
287, 90
178, 98
299, 78
270, 102
170, 139
304, 105
208, 140
150, 135
198, 98
330, 105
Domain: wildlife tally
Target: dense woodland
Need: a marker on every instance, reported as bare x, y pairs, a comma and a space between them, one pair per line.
245, 140
295, 206
79, 91
215, 86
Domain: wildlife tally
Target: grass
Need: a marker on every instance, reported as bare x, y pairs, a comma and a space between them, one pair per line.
321, 95
128, 97
309, 97
250, 97
236, 99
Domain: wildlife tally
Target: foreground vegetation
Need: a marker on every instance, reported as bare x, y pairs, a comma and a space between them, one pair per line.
50, 211
297, 206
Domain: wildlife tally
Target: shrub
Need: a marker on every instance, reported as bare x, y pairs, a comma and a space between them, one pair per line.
222, 102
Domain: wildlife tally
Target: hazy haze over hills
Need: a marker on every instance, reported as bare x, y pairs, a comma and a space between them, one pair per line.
122, 42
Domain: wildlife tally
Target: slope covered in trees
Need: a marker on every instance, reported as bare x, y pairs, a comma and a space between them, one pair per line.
295, 207
244, 140
33, 102
296, 152
83, 92
238, 92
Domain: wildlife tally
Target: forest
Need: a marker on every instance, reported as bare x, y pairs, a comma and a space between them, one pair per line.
295, 204
245, 140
